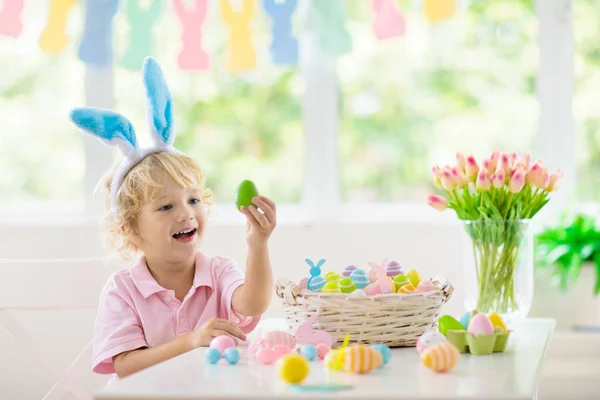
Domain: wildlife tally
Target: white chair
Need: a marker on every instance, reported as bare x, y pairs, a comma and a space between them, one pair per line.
52, 284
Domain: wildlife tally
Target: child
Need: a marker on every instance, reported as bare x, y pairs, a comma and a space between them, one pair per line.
175, 298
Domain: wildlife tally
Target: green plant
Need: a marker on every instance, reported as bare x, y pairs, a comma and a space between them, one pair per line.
566, 247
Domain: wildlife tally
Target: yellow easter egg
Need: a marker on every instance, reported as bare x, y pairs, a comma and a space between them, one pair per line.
406, 289
334, 360
331, 287
332, 276
497, 321
440, 357
414, 277
293, 368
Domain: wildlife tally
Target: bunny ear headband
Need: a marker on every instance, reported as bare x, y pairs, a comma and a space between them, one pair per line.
113, 129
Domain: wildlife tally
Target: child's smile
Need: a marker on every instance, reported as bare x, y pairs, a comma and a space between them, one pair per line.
186, 235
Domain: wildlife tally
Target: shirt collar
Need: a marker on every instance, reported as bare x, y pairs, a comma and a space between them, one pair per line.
147, 285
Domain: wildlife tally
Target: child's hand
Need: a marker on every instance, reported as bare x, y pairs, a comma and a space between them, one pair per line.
202, 336
259, 225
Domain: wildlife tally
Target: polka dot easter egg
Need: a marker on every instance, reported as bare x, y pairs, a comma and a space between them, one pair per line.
393, 268
360, 279
428, 339
348, 270
401, 280
440, 357
480, 325
347, 285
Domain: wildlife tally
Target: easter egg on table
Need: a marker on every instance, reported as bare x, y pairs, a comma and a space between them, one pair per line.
385, 351
232, 355
361, 359
266, 356
212, 355
400, 280
393, 268
347, 285
497, 322
480, 325
316, 283
449, 323
407, 289
440, 357
332, 276
414, 277
309, 352
360, 278
222, 343
348, 270
331, 287
428, 339
425, 286
245, 193
322, 350
334, 360
293, 368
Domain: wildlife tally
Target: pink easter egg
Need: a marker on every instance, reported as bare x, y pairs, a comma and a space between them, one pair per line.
281, 350
222, 343
303, 283
322, 350
428, 339
425, 286
373, 289
272, 339
480, 324
266, 356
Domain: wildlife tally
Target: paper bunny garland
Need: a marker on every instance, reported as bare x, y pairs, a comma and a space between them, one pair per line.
113, 129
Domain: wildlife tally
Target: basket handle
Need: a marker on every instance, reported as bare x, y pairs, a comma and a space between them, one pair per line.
442, 283
287, 290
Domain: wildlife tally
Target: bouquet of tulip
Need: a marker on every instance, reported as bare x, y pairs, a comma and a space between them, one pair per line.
496, 201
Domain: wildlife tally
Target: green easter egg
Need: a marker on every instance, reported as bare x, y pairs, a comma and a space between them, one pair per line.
449, 323
245, 193
332, 276
347, 285
331, 287
414, 277
400, 280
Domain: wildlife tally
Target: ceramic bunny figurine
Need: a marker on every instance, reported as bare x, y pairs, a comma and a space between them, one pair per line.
307, 335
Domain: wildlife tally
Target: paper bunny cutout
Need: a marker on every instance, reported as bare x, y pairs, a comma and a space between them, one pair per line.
381, 277
113, 129
307, 335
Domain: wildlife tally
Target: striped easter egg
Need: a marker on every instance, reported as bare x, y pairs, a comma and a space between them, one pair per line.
407, 289
361, 359
360, 278
303, 283
316, 283
272, 339
440, 357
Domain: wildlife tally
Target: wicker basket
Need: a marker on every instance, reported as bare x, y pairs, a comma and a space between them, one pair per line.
396, 320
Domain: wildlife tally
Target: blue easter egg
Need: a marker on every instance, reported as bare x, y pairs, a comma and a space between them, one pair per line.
232, 355
385, 352
360, 278
464, 320
212, 355
309, 352
316, 283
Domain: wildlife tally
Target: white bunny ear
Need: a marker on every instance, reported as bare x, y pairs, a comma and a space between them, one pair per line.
160, 104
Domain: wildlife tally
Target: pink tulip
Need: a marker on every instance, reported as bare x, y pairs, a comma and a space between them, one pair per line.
435, 171
448, 181
517, 181
498, 179
525, 160
472, 168
495, 156
506, 165
532, 174
484, 182
459, 177
489, 164
514, 158
462, 163
538, 175
543, 179
553, 180
437, 202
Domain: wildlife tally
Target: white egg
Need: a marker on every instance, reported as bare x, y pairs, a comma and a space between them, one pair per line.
428, 339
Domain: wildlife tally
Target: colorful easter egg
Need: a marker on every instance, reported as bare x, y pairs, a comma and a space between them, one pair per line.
222, 343
322, 350
212, 355
309, 352
245, 193
272, 339
357, 294
331, 287
348, 270
316, 283
332, 276
361, 359
428, 339
266, 356
373, 289
303, 283
385, 351
347, 285
400, 280
480, 324
449, 323
293, 368
440, 357
334, 360
497, 321
387, 286
360, 278
393, 268
464, 320
425, 286
407, 289
414, 277
232, 355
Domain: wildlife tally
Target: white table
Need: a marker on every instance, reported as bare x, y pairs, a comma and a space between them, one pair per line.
511, 375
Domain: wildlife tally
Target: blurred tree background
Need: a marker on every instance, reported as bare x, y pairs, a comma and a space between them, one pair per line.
466, 84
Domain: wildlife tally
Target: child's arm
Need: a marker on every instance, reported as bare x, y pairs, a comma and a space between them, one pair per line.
254, 296
130, 362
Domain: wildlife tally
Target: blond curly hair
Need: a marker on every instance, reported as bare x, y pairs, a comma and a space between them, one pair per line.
141, 186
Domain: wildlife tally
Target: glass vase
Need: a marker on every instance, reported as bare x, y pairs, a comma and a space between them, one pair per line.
499, 267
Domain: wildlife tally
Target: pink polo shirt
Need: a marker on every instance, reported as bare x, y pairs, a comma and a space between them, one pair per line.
135, 311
